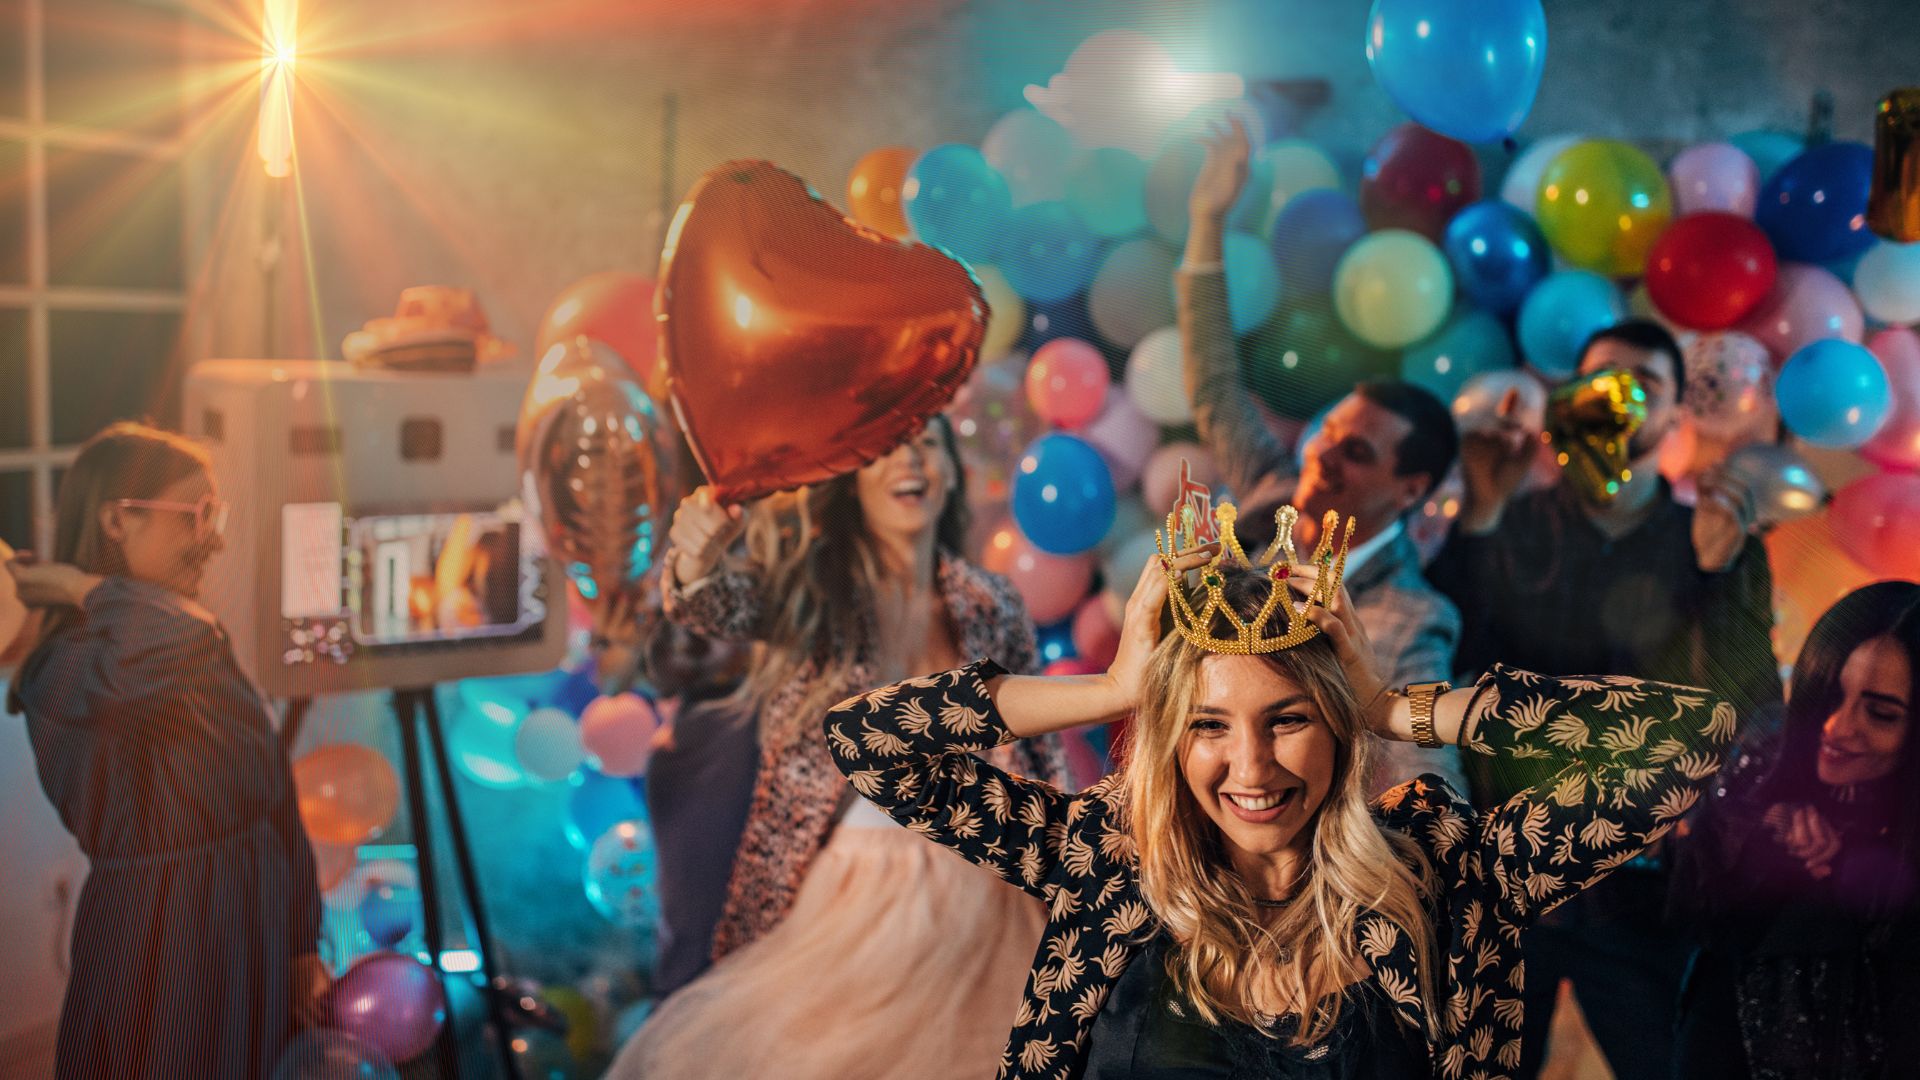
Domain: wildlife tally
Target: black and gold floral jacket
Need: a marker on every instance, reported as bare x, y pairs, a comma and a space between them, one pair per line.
1636, 752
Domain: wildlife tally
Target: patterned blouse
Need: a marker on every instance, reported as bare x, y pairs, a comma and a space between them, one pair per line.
798, 792
1636, 754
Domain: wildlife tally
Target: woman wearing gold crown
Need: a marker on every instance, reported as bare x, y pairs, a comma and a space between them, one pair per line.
1228, 904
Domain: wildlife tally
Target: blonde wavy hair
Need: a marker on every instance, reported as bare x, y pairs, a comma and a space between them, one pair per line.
821, 574
1356, 867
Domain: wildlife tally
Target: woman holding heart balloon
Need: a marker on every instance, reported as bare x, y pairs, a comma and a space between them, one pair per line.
845, 940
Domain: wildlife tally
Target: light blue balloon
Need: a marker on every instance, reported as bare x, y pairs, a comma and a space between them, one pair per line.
1769, 150
1471, 342
1253, 282
1048, 253
1063, 495
1465, 68
1108, 189
482, 734
1833, 393
1560, 314
957, 202
1498, 255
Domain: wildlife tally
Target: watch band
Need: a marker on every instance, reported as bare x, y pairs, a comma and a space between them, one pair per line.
1421, 698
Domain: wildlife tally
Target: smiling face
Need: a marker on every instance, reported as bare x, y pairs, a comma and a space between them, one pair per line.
164, 547
1350, 465
904, 493
1863, 736
1257, 757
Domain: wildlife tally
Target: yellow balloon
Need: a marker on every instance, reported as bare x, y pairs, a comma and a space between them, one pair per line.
1392, 288
584, 1034
1007, 312
1602, 204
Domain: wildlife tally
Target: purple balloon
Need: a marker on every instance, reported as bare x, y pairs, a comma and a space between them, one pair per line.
1124, 437
1714, 176
1312, 231
392, 1003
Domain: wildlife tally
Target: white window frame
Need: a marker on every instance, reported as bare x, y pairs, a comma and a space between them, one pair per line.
38, 298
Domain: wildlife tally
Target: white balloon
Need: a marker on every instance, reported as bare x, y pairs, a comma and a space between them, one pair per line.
548, 745
1033, 152
1887, 281
1521, 188
1155, 379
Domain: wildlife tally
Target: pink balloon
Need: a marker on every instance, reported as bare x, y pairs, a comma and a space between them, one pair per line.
1160, 483
1714, 176
1096, 638
1125, 438
1897, 444
1052, 585
1067, 382
1807, 304
618, 731
392, 1003
1877, 521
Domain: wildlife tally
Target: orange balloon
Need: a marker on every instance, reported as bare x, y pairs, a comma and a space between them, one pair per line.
873, 191
616, 309
348, 793
1810, 572
799, 344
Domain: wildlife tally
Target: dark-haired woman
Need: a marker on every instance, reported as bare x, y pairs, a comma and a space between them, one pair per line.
1802, 873
847, 946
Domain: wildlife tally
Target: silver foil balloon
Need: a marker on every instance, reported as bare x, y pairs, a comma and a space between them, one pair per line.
1779, 481
599, 465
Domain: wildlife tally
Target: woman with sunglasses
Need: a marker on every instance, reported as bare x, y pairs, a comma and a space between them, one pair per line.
194, 940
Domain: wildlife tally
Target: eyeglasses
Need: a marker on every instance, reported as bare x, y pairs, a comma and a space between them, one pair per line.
209, 514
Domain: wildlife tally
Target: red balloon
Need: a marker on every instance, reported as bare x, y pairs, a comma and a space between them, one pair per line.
1418, 179
798, 344
1877, 521
1067, 382
1710, 270
615, 309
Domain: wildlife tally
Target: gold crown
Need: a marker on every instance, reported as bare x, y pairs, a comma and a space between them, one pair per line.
1194, 616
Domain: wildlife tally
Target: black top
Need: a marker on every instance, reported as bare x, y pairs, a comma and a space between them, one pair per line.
1145, 1033
1547, 591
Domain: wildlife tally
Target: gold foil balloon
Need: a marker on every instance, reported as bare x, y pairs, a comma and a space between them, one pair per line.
1893, 204
599, 468
1589, 422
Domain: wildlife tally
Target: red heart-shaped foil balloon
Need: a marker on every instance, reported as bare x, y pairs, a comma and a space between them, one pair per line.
800, 345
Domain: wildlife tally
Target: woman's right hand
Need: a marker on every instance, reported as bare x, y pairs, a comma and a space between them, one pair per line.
1140, 625
45, 585
702, 531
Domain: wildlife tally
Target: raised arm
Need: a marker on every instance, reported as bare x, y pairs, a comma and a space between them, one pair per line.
1244, 449
700, 592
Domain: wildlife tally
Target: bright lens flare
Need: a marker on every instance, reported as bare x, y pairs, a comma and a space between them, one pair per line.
276, 86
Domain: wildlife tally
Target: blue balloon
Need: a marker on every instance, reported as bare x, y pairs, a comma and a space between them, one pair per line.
1769, 150
1833, 393
957, 202
598, 803
1498, 255
1063, 495
1815, 208
1048, 253
1310, 234
387, 913
1560, 314
574, 693
1465, 68
1471, 342
1062, 318
1056, 642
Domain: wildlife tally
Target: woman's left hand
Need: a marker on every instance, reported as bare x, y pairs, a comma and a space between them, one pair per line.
1342, 626
311, 984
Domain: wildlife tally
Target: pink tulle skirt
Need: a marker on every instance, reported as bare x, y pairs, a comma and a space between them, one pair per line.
899, 960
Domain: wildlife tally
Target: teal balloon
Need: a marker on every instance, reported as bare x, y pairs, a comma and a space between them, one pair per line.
1471, 342
1769, 150
1560, 314
597, 803
481, 736
1047, 253
957, 202
1833, 393
1253, 281
1465, 68
1108, 189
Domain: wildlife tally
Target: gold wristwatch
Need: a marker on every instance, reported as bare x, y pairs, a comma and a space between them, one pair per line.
1420, 699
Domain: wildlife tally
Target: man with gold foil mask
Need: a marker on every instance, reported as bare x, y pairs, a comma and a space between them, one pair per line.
1605, 571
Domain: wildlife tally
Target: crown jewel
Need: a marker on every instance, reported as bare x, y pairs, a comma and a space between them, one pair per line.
1280, 623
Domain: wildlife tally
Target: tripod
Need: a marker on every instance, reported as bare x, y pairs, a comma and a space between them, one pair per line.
419, 717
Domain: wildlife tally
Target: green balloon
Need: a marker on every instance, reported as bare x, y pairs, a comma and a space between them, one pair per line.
1303, 359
